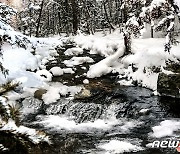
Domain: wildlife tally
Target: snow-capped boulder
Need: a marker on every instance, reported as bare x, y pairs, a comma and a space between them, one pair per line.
56, 71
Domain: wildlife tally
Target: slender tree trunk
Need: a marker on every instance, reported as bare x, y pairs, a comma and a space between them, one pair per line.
117, 13
125, 13
107, 17
122, 16
75, 13
59, 20
152, 32
30, 25
127, 43
39, 19
89, 20
48, 23
67, 27
53, 20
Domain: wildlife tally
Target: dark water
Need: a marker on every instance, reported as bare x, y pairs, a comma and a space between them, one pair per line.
119, 109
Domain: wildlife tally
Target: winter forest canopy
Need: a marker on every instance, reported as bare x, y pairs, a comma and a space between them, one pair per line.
42, 18
77, 67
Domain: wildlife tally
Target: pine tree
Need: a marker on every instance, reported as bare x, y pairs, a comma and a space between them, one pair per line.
28, 18
130, 11
6, 14
161, 15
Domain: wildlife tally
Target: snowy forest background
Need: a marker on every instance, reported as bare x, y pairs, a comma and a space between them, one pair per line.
45, 18
42, 18
61, 49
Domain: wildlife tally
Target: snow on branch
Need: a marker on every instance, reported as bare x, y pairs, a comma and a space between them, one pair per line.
33, 135
6, 12
165, 21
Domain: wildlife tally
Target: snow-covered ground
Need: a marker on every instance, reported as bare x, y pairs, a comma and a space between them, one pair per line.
146, 54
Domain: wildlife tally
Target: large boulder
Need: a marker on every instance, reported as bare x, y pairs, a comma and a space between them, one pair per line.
169, 83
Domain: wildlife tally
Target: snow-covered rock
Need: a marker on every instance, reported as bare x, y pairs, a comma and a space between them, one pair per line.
86, 81
73, 51
44, 75
57, 71
166, 128
68, 71
77, 61
18, 59
56, 90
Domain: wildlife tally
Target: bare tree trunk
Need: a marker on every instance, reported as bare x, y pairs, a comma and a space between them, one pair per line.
75, 13
152, 32
30, 25
53, 20
59, 20
125, 13
39, 19
107, 17
48, 23
127, 43
67, 15
117, 13
89, 20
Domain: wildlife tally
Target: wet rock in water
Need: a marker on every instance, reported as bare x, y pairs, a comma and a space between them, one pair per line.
84, 93
39, 93
95, 90
169, 84
31, 107
70, 146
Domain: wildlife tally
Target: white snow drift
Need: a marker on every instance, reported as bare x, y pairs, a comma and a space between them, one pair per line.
116, 146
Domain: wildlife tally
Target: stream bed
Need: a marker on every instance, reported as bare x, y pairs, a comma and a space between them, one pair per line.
126, 114
113, 119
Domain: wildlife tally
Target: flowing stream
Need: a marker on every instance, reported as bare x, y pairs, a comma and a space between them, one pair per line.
119, 120
82, 126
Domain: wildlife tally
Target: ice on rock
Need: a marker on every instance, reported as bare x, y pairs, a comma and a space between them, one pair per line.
143, 111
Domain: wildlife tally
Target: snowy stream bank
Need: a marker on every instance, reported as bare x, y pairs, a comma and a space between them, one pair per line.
86, 101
